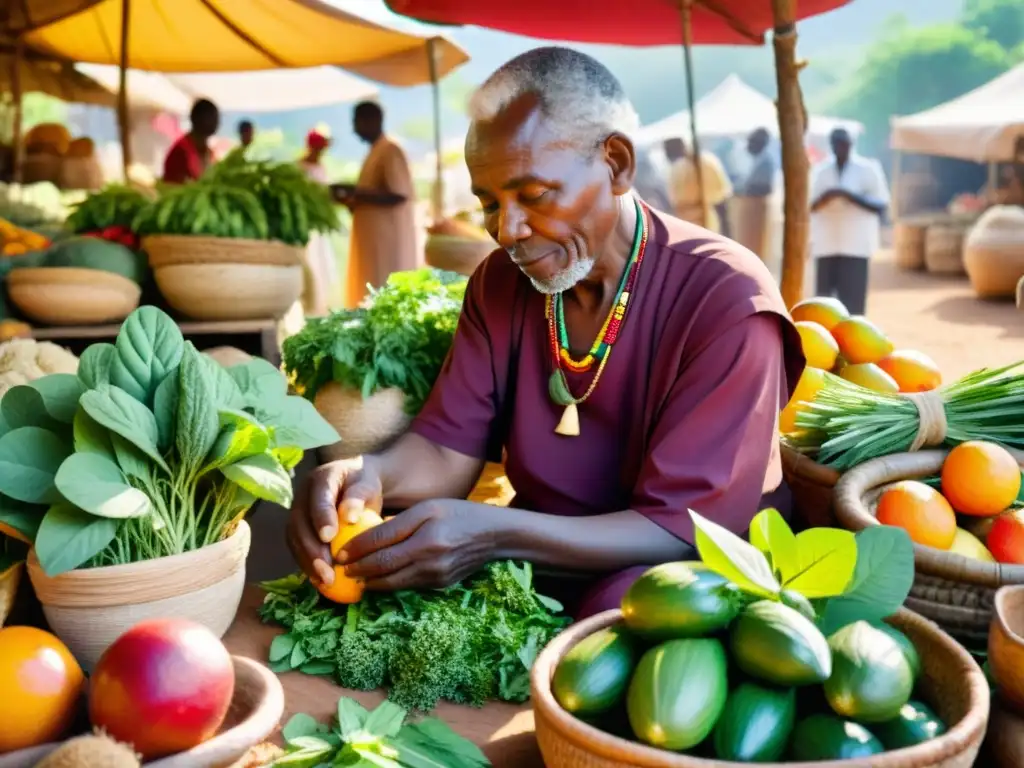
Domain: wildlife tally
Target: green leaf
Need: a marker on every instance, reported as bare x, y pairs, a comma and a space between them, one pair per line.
385, 720
69, 537
297, 422
238, 442
224, 388
373, 757
29, 459
430, 743
288, 456
90, 436
351, 716
21, 517
131, 460
97, 485
22, 406
197, 424
149, 346
260, 382
165, 408
60, 393
281, 648
881, 580
261, 476
827, 558
94, 365
122, 414
299, 725
772, 536
730, 556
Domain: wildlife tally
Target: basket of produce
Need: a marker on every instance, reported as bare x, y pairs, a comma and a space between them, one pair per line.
909, 244
369, 370
72, 295
229, 246
15, 240
80, 173
994, 252
457, 246
956, 506
142, 513
944, 247
727, 661
146, 679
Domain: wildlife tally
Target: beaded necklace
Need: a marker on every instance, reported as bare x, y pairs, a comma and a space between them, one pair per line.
600, 350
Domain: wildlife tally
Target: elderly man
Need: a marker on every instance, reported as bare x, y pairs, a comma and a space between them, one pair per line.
631, 365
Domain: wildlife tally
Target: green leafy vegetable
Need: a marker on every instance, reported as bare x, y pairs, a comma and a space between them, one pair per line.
116, 205
468, 643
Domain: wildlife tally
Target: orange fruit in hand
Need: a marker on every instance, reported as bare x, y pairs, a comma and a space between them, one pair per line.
913, 371
1006, 539
980, 478
823, 310
42, 685
861, 341
921, 511
819, 347
869, 376
345, 589
810, 384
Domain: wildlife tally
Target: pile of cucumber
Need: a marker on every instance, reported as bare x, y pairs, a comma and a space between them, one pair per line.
696, 666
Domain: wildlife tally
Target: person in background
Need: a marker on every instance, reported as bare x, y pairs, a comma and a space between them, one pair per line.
649, 183
381, 201
190, 155
683, 188
246, 133
321, 267
760, 182
849, 196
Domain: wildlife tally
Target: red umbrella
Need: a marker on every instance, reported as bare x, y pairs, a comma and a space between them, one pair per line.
619, 22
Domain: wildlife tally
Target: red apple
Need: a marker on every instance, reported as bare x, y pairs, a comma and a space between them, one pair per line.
164, 686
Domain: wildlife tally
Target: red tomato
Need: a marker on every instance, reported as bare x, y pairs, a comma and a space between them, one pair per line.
1005, 539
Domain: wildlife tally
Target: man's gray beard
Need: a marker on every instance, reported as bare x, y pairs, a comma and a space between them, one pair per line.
566, 279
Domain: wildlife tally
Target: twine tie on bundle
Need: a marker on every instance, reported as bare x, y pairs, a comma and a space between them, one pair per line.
931, 408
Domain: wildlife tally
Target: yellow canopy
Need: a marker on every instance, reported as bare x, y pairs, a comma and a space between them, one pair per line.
16, 16
241, 35
54, 78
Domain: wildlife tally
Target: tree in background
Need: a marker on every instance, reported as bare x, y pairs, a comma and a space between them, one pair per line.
1001, 21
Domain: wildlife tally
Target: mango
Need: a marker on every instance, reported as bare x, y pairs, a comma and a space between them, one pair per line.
811, 382
870, 376
913, 371
823, 310
861, 341
968, 545
820, 349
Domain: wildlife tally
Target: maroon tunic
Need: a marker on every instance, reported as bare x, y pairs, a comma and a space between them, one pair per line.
684, 416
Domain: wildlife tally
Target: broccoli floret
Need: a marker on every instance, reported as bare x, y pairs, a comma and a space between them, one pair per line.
363, 661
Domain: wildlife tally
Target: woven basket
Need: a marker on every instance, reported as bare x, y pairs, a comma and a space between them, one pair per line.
89, 608
908, 245
72, 295
956, 592
994, 252
944, 247
229, 291
365, 426
1006, 647
457, 254
9, 581
165, 250
40, 166
811, 484
951, 682
81, 173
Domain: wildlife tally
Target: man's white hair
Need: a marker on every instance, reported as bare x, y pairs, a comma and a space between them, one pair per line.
576, 93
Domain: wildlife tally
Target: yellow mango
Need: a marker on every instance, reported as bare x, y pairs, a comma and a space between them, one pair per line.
823, 310
820, 349
861, 341
870, 376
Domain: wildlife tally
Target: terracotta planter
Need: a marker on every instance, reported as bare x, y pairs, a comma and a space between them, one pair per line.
90, 608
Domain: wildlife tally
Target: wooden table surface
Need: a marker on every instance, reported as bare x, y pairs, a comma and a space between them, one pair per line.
503, 731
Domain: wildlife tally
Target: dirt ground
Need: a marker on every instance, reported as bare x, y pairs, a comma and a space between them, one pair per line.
941, 317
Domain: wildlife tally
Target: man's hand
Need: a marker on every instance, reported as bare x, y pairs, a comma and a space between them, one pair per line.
432, 544
827, 196
350, 485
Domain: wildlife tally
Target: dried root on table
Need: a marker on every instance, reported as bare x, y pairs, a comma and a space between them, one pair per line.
94, 750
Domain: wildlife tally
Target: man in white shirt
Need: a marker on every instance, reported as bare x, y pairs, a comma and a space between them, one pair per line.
849, 195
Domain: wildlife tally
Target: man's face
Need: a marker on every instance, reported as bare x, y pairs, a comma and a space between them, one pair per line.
841, 145
364, 126
245, 135
757, 142
207, 123
547, 201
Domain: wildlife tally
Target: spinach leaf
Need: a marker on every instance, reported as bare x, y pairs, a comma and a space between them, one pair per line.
22, 406
224, 389
122, 414
59, 393
69, 537
96, 484
197, 425
296, 422
29, 459
149, 346
261, 476
94, 365
242, 436
131, 460
259, 382
20, 518
90, 436
165, 408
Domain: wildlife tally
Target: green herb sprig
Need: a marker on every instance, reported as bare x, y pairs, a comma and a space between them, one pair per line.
468, 643
116, 205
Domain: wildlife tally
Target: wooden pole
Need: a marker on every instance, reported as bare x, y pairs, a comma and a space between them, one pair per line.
897, 186
435, 85
123, 123
795, 167
18, 97
686, 12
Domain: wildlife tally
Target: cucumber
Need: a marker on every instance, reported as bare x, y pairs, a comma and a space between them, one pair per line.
592, 677
679, 600
779, 645
677, 693
913, 658
871, 678
756, 724
826, 737
916, 723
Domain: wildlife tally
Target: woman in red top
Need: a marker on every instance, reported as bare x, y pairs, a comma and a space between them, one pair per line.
190, 155
631, 365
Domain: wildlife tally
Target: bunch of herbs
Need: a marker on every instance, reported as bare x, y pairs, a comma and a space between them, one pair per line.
152, 449
469, 643
399, 339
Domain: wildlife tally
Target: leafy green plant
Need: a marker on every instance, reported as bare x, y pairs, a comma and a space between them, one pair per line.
381, 738
846, 577
399, 340
153, 449
116, 205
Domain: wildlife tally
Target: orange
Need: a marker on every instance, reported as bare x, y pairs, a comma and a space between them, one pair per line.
819, 347
914, 371
810, 384
823, 310
869, 376
980, 478
861, 341
41, 683
921, 511
345, 589
1006, 539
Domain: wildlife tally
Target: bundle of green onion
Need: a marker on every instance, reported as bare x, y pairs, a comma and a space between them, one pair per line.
847, 425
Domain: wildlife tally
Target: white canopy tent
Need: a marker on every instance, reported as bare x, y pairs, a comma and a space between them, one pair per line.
980, 125
733, 110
